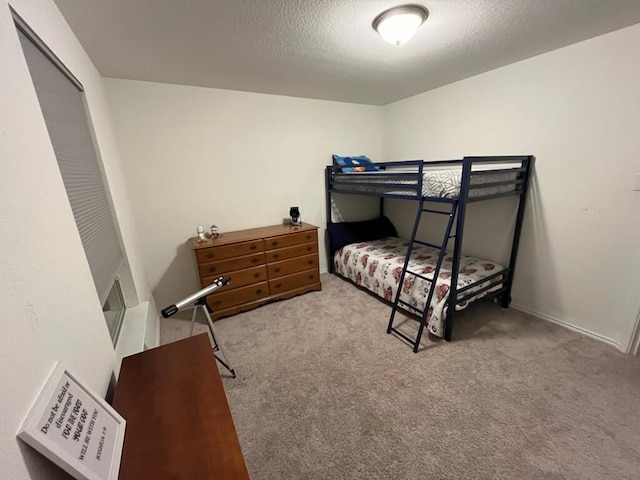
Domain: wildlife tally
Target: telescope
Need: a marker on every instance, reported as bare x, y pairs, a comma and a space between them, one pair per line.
194, 298
199, 300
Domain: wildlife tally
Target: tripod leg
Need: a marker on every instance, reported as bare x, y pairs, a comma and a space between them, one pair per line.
217, 345
193, 321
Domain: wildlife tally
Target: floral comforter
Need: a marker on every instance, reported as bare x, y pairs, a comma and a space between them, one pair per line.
377, 266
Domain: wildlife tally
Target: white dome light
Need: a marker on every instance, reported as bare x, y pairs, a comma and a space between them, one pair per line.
397, 25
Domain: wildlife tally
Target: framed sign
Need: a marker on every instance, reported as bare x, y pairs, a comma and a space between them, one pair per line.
75, 428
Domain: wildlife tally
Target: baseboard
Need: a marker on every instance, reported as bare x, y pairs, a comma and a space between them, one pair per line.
132, 334
324, 270
158, 333
634, 341
583, 331
152, 327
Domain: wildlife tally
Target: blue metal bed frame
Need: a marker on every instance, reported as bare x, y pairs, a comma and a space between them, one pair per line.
456, 214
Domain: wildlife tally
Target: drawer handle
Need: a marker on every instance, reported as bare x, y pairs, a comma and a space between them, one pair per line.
310, 262
210, 255
274, 243
256, 275
278, 285
308, 237
212, 269
275, 255
217, 302
252, 247
254, 260
276, 270
309, 249
312, 276
259, 291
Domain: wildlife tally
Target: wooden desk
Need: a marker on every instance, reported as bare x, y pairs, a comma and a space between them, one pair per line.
178, 421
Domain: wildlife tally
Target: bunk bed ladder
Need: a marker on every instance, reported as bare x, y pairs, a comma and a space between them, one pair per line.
405, 270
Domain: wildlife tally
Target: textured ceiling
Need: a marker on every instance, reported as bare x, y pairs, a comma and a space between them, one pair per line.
326, 48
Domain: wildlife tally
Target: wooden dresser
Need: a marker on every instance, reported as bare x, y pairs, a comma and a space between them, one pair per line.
264, 264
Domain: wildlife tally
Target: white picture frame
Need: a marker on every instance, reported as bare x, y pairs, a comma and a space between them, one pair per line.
75, 428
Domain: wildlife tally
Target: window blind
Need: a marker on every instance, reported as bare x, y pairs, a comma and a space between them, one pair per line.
62, 103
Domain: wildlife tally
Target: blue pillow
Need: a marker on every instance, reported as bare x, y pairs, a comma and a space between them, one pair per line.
350, 163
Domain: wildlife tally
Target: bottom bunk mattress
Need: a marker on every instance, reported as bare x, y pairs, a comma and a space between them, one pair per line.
377, 265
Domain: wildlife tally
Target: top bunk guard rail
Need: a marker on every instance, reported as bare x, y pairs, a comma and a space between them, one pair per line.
475, 173
401, 163
387, 195
496, 184
389, 184
512, 193
406, 179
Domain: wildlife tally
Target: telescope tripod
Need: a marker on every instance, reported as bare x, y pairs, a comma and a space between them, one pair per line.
217, 346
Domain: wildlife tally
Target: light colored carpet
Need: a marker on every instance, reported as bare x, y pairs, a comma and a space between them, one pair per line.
324, 393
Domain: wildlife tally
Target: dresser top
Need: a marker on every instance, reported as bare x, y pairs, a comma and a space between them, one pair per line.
251, 234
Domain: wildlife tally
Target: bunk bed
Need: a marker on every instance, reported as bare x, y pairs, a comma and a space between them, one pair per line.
403, 272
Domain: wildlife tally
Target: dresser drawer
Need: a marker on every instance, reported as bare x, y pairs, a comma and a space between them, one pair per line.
272, 243
238, 296
208, 255
291, 282
216, 269
294, 265
291, 252
240, 278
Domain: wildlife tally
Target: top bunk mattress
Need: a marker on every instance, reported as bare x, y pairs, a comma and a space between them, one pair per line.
436, 183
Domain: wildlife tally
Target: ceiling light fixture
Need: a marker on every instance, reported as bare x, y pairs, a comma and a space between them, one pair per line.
399, 24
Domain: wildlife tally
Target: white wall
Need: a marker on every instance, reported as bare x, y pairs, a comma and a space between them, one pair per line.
577, 110
50, 308
198, 156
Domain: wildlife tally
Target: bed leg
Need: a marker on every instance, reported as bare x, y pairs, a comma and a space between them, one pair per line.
448, 327
505, 299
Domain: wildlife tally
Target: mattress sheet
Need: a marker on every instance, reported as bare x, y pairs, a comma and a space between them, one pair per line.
377, 266
437, 183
